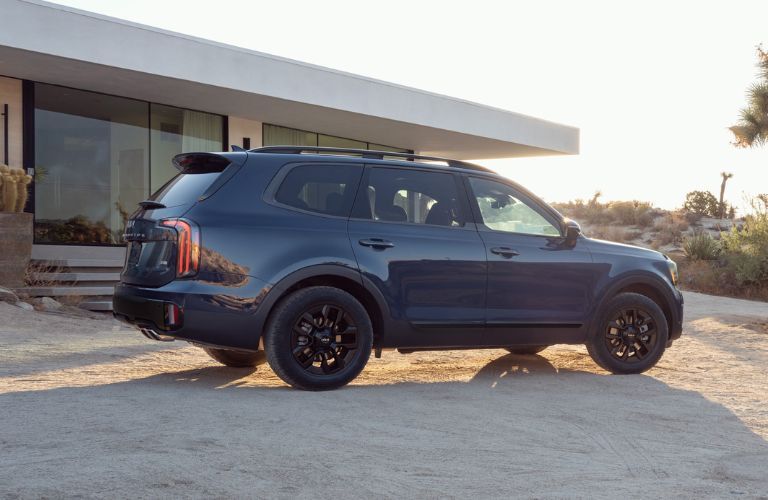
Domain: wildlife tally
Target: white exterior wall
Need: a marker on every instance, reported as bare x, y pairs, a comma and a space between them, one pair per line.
243, 127
10, 94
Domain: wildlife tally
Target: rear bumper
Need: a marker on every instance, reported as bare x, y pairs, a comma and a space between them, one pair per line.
211, 313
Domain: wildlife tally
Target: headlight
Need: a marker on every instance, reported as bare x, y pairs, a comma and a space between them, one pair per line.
673, 270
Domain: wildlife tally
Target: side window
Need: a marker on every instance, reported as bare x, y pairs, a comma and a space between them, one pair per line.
502, 210
404, 195
322, 188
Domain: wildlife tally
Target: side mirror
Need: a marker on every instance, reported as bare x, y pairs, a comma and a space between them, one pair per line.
572, 231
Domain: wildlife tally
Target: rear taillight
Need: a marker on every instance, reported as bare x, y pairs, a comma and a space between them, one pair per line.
187, 246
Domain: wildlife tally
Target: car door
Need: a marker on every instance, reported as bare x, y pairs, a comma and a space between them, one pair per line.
539, 285
415, 241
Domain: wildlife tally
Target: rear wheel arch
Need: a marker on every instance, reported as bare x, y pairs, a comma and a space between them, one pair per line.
345, 279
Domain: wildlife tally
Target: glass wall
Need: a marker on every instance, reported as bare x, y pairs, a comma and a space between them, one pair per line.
176, 130
275, 135
97, 156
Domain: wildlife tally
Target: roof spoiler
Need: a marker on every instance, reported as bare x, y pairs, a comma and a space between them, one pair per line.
200, 163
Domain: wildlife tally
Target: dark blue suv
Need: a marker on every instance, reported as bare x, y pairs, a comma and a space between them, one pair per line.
311, 258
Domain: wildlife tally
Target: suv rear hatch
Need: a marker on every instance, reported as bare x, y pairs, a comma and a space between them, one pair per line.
161, 244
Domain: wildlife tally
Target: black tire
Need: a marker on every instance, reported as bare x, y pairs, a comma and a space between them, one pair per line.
318, 338
236, 359
629, 335
526, 349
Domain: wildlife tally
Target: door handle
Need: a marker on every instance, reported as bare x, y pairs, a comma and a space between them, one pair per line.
505, 252
377, 243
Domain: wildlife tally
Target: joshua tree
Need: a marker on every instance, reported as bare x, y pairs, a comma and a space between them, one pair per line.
752, 127
725, 176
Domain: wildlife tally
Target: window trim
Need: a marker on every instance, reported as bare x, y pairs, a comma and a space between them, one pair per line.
533, 202
274, 185
469, 222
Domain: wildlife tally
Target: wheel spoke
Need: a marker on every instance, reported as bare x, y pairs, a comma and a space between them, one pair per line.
640, 353
306, 360
338, 361
321, 319
339, 317
324, 363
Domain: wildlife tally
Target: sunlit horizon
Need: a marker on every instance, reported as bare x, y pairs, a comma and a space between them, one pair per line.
653, 86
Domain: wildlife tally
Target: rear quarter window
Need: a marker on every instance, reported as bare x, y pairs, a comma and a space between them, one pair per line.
320, 188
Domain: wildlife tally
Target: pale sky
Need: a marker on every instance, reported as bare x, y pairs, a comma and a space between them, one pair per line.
653, 85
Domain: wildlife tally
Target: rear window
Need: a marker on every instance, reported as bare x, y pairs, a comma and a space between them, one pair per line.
184, 188
321, 188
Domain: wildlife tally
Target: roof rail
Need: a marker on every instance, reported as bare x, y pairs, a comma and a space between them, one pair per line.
366, 153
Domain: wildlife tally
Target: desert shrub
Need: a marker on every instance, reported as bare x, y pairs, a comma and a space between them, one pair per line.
746, 247
609, 233
701, 246
628, 212
645, 219
702, 203
670, 229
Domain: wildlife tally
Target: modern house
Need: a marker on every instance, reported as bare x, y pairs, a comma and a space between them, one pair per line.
94, 108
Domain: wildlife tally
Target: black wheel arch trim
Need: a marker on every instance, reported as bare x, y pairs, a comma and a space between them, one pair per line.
673, 304
338, 271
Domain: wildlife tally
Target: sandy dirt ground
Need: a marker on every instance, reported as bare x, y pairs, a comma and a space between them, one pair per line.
90, 408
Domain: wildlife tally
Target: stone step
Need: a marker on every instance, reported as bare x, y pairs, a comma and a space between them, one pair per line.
77, 276
60, 291
97, 304
109, 263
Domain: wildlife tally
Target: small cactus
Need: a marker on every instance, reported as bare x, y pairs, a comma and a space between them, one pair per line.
13, 189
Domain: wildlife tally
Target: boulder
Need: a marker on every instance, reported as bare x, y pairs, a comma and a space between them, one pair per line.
25, 306
7, 295
49, 304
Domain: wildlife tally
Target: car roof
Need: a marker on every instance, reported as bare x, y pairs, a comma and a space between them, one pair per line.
390, 158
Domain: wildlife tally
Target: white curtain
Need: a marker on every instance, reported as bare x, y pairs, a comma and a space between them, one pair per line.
201, 132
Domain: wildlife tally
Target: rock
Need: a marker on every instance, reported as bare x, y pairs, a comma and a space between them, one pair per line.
49, 304
25, 306
7, 295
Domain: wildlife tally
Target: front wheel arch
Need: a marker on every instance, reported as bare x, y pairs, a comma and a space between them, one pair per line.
648, 286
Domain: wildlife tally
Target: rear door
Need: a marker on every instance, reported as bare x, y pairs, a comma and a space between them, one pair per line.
414, 241
539, 287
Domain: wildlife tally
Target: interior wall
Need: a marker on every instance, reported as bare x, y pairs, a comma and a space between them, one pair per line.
242, 127
10, 93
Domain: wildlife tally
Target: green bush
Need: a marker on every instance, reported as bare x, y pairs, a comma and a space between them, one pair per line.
701, 246
702, 203
746, 247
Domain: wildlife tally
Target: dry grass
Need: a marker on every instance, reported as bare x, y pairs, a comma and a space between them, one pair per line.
670, 229
713, 278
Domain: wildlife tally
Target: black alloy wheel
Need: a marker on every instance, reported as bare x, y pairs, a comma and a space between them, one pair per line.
318, 338
631, 335
324, 339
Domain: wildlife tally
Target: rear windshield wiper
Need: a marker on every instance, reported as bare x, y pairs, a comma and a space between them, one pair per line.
149, 204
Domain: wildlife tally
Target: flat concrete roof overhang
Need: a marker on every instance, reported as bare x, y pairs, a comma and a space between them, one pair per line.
56, 44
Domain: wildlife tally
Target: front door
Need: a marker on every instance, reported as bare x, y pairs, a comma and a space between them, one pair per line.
539, 287
414, 242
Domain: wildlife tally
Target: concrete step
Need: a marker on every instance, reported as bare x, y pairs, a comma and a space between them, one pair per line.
98, 304
60, 291
109, 263
77, 276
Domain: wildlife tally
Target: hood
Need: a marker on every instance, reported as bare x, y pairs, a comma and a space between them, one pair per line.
624, 249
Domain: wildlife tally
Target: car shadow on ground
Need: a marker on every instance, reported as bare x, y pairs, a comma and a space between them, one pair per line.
519, 425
